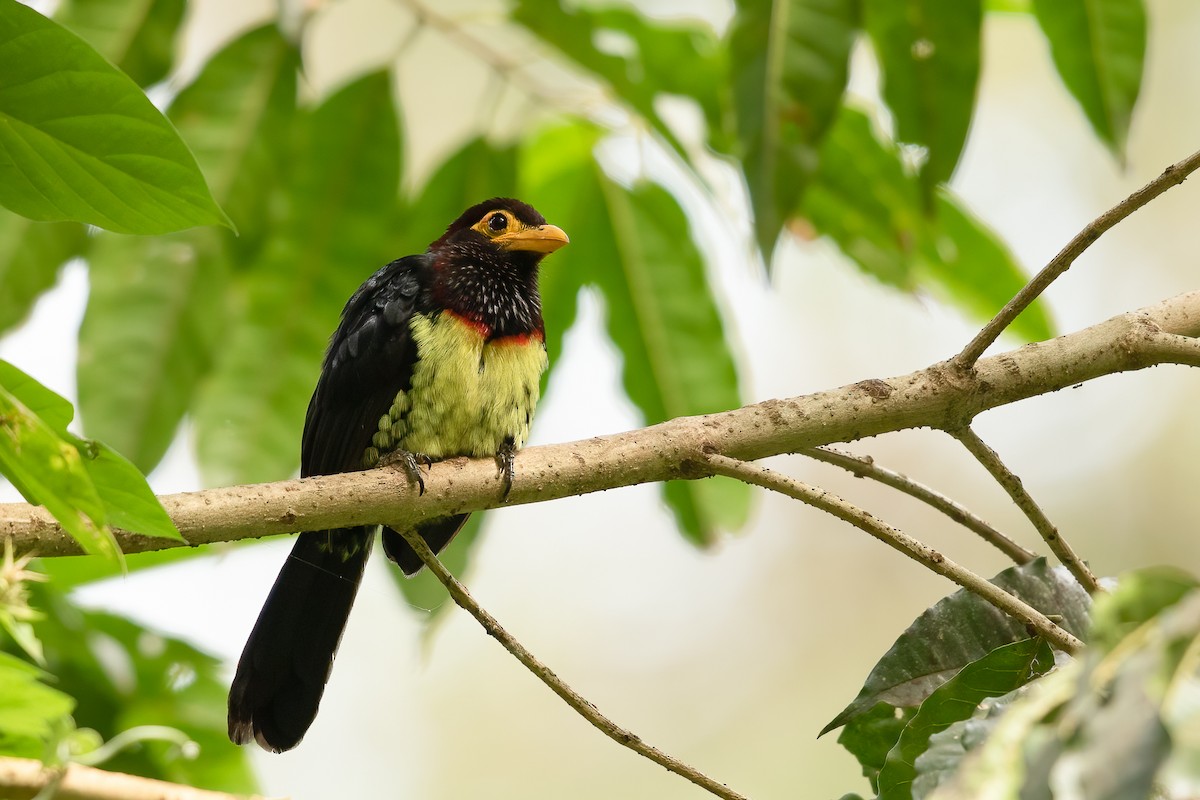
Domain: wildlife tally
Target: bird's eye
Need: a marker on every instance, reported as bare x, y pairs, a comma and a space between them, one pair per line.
497, 222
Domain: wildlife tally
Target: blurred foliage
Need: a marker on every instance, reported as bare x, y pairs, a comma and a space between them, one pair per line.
228, 330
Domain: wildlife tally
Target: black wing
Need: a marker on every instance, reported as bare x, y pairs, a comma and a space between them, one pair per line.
370, 359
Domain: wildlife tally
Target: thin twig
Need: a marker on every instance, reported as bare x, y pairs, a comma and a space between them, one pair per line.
1171, 176
572, 698
865, 467
1176, 349
847, 512
1016, 490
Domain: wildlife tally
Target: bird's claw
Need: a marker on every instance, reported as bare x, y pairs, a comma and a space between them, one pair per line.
411, 463
504, 463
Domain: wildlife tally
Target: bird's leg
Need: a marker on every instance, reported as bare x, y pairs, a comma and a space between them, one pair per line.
411, 463
504, 463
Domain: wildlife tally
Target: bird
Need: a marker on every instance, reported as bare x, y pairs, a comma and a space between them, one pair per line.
436, 355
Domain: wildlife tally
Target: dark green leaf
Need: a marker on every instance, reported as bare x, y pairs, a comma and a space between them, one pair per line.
156, 315
235, 116
1099, 47
963, 628
138, 36
947, 748
30, 256
791, 61
975, 268
128, 501
79, 141
49, 471
929, 54
870, 736
340, 204
999, 672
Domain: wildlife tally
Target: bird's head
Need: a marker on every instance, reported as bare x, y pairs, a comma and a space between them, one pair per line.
497, 231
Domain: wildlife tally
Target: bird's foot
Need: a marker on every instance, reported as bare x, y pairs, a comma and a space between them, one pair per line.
411, 463
504, 463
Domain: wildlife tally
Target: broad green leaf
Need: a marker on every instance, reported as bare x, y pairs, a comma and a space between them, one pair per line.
1099, 47
340, 204
999, 672
128, 501
49, 471
928, 52
31, 254
54, 409
80, 141
653, 58
635, 246
963, 628
947, 748
159, 681
138, 36
791, 62
864, 199
870, 736
29, 709
235, 116
1008, 6
156, 315
976, 270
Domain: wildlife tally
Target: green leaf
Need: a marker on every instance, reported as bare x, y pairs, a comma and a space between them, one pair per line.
128, 500
1139, 597
976, 269
651, 59
31, 254
1099, 47
54, 409
340, 204
871, 735
864, 199
156, 315
138, 36
999, 672
235, 116
963, 628
29, 709
791, 62
80, 141
929, 54
158, 680
49, 471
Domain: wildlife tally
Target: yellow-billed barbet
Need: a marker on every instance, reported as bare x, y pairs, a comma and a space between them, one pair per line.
437, 355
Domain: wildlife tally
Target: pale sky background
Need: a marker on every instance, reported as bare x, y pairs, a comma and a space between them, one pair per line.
734, 658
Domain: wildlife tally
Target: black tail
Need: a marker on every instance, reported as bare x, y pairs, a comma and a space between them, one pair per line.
437, 534
283, 670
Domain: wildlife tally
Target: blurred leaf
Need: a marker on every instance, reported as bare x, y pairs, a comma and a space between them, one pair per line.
1008, 6
928, 52
977, 270
1099, 47
68, 123
948, 747
128, 500
29, 709
340, 203
1137, 598
652, 58
235, 116
31, 254
49, 471
155, 318
871, 735
425, 593
863, 198
123, 675
138, 36
963, 628
999, 672
791, 61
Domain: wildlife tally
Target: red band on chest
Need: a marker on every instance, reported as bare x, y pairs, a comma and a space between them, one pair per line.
520, 339
482, 328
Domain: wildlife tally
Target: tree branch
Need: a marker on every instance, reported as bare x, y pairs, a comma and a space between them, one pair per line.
939, 396
1171, 176
922, 554
24, 779
557, 685
865, 467
1016, 490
